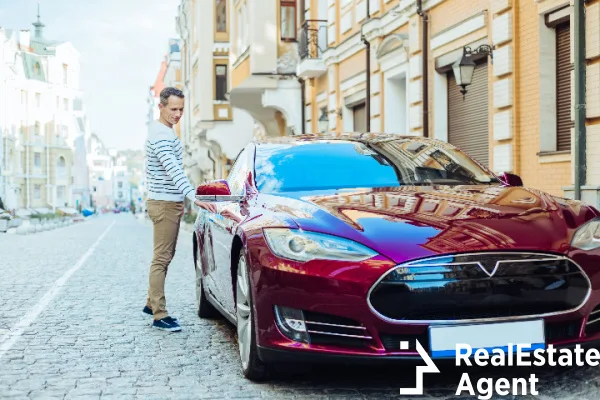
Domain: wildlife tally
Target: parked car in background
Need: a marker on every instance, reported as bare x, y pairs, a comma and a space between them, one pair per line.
338, 247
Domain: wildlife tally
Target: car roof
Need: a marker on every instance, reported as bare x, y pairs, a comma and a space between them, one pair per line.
370, 137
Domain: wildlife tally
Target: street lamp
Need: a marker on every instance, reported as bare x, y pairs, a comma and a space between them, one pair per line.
465, 66
323, 121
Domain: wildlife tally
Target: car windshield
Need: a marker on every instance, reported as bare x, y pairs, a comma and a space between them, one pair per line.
343, 164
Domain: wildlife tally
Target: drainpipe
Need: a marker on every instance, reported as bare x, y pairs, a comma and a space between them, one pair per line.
580, 76
303, 102
368, 72
425, 68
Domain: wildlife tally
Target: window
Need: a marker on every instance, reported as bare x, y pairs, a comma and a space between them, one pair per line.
61, 167
221, 11
288, 20
38, 100
78, 104
242, 30
65, 74
120, 185
221, 82
37, 192
289, 167
66, 104
37, 160
37, 128
60, 192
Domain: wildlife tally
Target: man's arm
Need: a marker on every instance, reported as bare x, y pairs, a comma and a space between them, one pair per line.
164, 153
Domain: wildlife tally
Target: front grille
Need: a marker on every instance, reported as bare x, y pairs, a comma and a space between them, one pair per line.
325, 329
479, 287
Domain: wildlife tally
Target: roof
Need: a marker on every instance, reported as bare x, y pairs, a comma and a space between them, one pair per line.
372, 137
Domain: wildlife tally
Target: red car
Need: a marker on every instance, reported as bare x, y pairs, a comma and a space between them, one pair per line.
340, 247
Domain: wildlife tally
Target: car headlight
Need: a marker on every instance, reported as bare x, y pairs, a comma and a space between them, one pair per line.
305, 246
587, 237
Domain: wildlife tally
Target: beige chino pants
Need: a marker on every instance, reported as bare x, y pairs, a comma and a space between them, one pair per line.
166, 218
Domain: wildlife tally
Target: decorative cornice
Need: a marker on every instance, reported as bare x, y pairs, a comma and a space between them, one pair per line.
385, 45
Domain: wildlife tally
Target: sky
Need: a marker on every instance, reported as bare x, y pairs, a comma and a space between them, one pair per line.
121, 42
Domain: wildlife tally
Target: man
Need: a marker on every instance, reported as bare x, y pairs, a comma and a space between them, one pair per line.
167, 188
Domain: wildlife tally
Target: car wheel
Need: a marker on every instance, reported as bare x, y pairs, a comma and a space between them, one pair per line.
252, 367
204, 308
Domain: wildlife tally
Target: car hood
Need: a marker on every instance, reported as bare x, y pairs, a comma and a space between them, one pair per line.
411, 222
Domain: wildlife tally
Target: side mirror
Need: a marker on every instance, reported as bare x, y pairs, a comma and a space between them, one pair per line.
217, 190
511, 179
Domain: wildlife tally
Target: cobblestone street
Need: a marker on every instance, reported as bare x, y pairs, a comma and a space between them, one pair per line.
71, 327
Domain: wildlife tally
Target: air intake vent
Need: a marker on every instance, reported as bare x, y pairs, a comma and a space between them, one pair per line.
592, 325
333, 330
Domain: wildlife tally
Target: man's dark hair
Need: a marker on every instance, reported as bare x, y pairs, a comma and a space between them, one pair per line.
168, 92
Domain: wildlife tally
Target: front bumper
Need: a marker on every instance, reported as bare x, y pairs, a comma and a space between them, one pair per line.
334, 294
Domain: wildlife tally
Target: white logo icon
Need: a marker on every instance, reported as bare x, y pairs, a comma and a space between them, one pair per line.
421, 369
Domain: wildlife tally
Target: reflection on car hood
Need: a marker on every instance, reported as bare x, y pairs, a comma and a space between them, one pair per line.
417, 221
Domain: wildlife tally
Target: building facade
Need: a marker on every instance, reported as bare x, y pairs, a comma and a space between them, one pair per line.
172, 75
213, 132
300, 66
39, 126
100, 167
122, 186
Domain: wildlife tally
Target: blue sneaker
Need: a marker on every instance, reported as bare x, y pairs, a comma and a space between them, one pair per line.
148, 311
167, 324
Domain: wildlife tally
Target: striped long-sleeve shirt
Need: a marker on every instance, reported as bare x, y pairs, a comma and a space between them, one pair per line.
165, 177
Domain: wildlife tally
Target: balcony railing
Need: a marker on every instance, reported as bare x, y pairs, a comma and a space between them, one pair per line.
313, 39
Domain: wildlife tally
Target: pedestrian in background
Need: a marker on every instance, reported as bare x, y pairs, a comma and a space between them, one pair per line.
168, 186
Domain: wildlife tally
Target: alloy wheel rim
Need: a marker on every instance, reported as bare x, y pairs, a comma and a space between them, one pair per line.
243, 313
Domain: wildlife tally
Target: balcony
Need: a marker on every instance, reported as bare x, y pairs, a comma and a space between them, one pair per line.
312, 44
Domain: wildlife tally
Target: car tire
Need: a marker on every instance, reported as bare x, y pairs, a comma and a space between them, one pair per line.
252, 367
203, 307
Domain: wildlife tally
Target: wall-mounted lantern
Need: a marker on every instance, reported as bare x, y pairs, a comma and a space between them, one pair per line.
465, 66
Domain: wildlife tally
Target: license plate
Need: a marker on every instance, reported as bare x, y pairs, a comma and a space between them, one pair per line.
444, 338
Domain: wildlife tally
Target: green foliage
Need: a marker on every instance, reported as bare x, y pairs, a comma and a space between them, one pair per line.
47, 216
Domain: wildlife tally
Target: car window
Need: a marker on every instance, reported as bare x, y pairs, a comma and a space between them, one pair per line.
340, 164
238, 174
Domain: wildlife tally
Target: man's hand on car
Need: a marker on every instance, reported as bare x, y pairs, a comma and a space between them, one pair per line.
207, 206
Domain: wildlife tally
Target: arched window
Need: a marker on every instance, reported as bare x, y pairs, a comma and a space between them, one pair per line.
61, 166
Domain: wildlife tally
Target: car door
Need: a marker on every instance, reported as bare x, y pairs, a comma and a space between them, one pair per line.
223, 228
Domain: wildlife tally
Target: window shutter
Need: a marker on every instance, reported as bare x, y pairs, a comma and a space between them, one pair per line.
468, 119
563, 87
